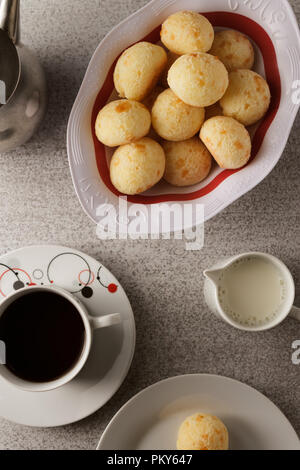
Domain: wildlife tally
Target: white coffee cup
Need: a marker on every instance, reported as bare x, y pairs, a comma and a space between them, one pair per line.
211, 292
90, 324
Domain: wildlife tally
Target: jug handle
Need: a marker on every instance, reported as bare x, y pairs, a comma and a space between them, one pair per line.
9, 18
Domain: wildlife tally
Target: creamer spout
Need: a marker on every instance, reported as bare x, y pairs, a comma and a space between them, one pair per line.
213, 275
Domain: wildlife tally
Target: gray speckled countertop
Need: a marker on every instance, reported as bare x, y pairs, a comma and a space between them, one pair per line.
163, 281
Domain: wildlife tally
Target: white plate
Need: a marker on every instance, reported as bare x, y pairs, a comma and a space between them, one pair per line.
112, 349
272, 25
150, 420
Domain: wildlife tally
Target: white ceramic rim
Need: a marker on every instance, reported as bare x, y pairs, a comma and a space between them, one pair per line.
178, 377
288, 303
52, 385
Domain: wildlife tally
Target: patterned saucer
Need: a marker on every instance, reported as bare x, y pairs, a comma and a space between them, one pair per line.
112, 349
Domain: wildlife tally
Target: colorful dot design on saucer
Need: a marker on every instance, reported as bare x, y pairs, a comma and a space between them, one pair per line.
85, 279
112, 288
19, 278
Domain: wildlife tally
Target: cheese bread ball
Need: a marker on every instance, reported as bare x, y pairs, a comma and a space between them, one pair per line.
171, 59
136, 167
213, 110
187, 163
198, 79
187, 31
233, 49
247, 98
121, 122
174, 120
138, 70
228, 141
203, 432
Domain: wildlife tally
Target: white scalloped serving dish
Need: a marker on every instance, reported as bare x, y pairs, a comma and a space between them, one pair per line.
271, 26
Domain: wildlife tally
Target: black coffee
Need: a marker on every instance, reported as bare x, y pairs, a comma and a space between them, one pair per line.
44, 336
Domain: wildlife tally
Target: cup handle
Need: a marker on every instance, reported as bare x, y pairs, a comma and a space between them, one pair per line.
295, 313
105, 321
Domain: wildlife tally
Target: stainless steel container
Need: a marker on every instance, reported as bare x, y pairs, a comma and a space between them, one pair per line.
22, 83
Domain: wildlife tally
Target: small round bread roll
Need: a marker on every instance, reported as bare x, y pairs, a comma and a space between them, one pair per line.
187, 31
174, 120
137, 167
198, 79
139, 69
247, 98
187, 163
171, 59
121, 122
228, 141
203, 432
233, 49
